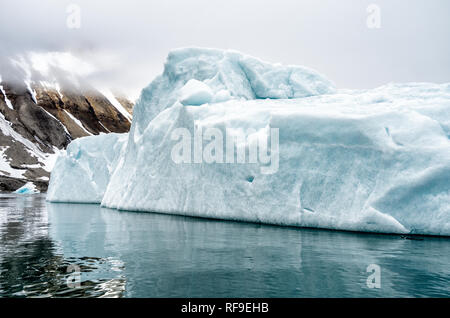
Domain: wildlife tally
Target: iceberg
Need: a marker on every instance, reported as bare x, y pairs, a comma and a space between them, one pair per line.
223, 135
27, 188
227, 74
82, 173
195, 93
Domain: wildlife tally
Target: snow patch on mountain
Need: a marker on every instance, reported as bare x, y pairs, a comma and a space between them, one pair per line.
7, 101
78, 122
113, 100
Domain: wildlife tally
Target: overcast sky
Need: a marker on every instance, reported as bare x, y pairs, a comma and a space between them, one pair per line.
127, 40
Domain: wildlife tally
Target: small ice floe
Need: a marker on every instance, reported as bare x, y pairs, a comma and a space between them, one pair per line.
28, 188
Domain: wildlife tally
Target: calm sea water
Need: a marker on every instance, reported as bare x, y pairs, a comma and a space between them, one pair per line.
46, 247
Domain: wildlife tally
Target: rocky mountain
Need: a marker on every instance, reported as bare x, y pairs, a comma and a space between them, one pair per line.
38, 119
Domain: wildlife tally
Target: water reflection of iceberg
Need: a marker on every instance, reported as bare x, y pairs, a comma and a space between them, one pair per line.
33, 262
81, 230
153, 255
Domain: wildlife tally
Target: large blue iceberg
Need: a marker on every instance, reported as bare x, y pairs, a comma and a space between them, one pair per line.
302, 153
